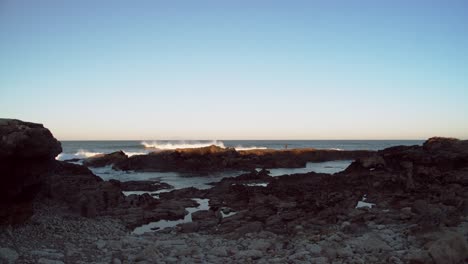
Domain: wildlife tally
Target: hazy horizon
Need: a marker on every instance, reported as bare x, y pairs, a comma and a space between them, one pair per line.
318, 70
186, 140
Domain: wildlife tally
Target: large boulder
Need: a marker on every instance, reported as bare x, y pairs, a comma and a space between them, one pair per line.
27, 152
148, 186
20, 140
80, 190
102, 160
449, 248
445, 144
29, 172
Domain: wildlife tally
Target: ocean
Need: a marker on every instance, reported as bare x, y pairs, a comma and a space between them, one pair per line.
84, 149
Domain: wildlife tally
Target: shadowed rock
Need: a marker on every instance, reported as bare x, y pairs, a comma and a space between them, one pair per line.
23, 140
213, 158
30, 173
148, 186
425, 185
27, 152
102, 160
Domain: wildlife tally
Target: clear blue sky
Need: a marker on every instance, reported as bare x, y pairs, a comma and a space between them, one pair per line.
236, 69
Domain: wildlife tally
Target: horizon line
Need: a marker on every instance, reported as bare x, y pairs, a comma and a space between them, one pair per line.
420, 139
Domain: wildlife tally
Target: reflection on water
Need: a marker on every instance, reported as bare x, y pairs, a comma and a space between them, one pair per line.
161, 224
180, 180
154, 194
319, 167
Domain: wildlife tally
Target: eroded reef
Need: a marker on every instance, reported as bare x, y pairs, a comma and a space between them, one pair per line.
214, 158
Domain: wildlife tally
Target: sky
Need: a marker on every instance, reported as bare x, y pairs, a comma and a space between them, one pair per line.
236, 69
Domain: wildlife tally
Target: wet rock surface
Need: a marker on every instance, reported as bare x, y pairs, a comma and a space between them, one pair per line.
30, 174
141, 185
102, 160
71, 239
413, 208
213, 158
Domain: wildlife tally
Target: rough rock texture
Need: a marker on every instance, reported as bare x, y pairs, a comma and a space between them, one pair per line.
23, 140
449, 248
414, 196
81, 190
149, 186
102, 160
405, 204
427, 185
105, 240
30, 174
27, 153
213, 158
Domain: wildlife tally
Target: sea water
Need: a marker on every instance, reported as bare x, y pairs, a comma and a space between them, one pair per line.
85, 149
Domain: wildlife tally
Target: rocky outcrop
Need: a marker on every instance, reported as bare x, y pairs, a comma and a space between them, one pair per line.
27, 153
149, 186
24, 140
213, 158
81, 191
419, 189
440, 144
449, 248
102, 160
30, 175
406, 204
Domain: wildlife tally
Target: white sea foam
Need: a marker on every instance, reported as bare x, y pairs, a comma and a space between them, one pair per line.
249, 148
338, 149
80, 154
130, 153
181, 144
162, 224
186, 144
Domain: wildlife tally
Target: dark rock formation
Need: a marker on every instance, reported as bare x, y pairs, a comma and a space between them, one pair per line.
79, 189
30, 174
213, 158
449, 248
149, 186
102, 160
27, 153
424, 185
23, 140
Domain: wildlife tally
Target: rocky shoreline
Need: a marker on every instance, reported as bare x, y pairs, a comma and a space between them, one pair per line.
214, 158
406, 204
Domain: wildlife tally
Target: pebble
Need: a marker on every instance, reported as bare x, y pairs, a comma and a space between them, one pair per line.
89, 240
49, 261
8, 255
251, 253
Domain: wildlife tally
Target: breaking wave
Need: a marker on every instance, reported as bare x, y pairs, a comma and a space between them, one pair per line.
338, 149
181, 144
249, 148
83, 154
80, 154
130, 153
188, 144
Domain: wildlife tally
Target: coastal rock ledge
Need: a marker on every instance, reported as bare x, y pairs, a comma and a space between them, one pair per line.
32, 177
27, 152
213, 158
404, 204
